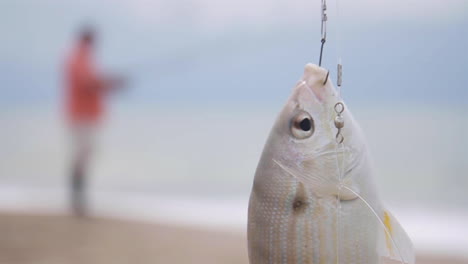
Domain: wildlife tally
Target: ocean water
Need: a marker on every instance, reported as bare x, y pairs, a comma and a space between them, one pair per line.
196, 166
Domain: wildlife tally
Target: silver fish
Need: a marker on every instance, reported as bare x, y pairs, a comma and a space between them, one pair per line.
313, 201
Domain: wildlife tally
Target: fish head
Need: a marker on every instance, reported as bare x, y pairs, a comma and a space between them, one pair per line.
303, 139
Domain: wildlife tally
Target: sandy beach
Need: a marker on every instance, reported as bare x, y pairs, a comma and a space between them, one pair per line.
65, 239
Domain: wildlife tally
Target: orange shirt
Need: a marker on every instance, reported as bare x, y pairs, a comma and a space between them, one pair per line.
84, 95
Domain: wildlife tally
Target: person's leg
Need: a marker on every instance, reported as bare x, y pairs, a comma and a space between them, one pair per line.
79, 170
78, 175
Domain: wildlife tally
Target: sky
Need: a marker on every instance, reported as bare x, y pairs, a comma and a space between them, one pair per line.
243, 56
199, 52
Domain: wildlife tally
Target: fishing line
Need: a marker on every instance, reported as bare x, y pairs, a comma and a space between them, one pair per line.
380, 220
339, 138
339, 123
339, 73
323, 29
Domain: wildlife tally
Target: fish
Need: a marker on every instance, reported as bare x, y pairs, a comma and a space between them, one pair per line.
314, 200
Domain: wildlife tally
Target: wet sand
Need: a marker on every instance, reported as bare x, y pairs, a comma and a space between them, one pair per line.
62, 239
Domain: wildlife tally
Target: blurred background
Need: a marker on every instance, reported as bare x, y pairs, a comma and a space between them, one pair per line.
178, 147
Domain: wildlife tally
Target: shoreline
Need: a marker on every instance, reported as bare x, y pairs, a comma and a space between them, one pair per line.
435, 231
61, 238
438, 231
42, 238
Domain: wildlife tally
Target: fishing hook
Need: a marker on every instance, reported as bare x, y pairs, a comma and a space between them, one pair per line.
326, 78
321, 51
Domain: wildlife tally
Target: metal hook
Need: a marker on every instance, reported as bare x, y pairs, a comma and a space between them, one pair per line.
326, 78
321, 51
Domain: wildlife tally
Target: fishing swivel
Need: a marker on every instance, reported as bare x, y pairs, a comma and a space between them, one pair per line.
339, 107
339, 122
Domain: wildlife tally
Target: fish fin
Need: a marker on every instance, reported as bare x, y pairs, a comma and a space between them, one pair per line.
317, 184
346, 194
398, 244
322, 186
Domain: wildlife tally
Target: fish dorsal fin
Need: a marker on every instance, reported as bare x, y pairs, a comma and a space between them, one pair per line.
398, 245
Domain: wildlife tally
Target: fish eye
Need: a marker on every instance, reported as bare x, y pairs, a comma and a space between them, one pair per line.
302, 125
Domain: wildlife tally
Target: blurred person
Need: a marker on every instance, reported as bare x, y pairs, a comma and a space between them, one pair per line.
86, 92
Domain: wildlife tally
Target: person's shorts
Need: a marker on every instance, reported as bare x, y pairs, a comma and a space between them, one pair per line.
83, 137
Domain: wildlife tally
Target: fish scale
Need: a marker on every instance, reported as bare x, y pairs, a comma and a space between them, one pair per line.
301, 211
